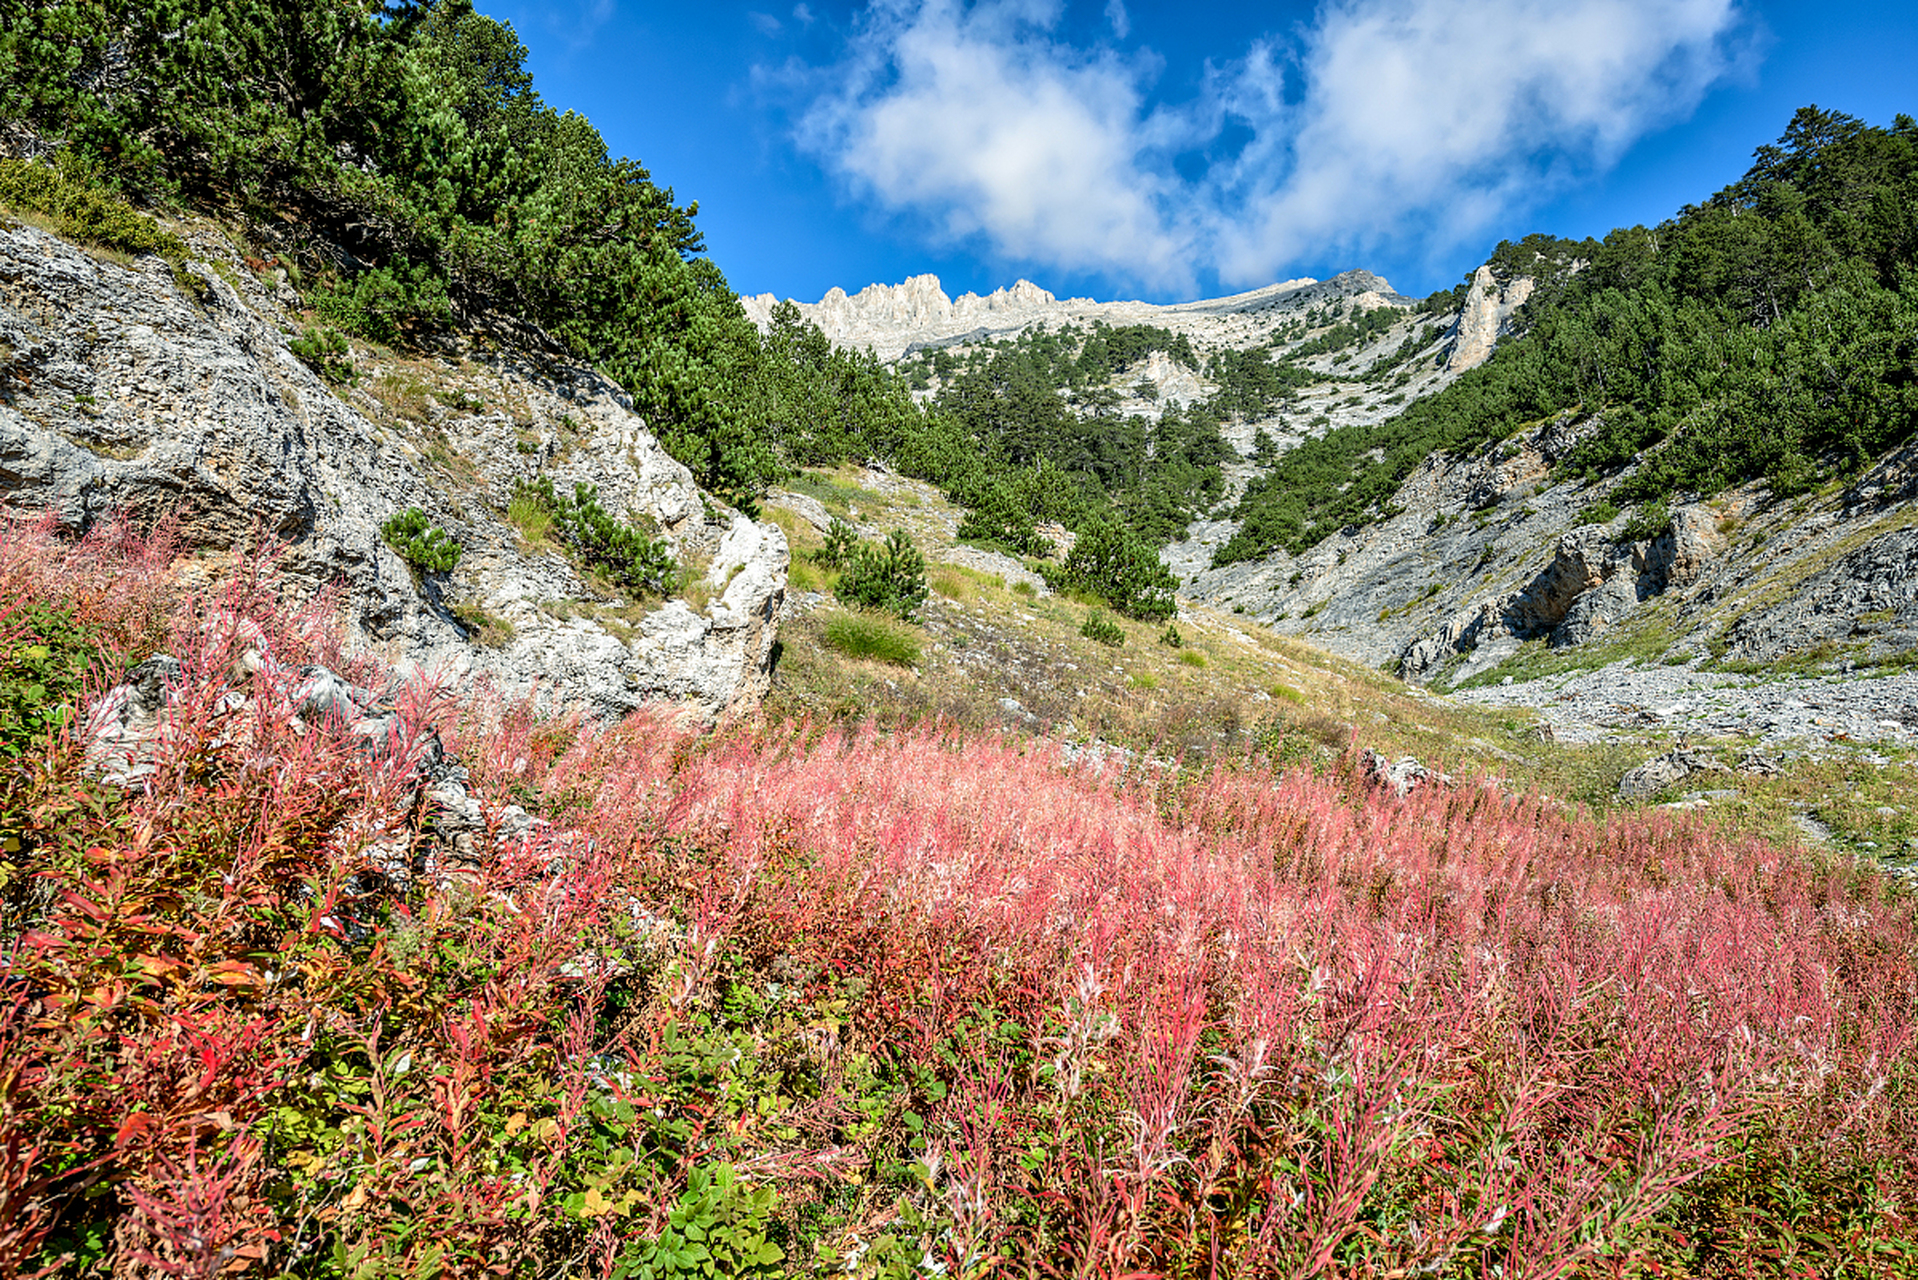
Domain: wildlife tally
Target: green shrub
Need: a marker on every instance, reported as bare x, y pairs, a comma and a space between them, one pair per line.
324, 352
1651, 521
1115, 564
718, 1228
999, 522
1598, 513
840, 541
385, 303
1171, 638
44, 655
891, 576
84, 213
424, 546
861, 635
1103, 629
635, 561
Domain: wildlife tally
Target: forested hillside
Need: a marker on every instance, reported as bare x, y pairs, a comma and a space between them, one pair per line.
1770, 333
399, 162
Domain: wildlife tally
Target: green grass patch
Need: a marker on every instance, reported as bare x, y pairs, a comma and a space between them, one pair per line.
835, 495
872, 638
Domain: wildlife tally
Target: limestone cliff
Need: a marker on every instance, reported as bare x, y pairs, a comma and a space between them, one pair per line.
890, 320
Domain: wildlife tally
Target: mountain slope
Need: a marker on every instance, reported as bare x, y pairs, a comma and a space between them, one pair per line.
1573, 430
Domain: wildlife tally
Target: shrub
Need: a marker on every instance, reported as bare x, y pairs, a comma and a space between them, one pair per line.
83, 213
1171, 638
636, 562
861, 635
1112, 562
891, 576
1598, 513
324, 351
1103, 629
385, 304
426, 547
1651, 521
44, 656
839, 544
1001, 523
44, 653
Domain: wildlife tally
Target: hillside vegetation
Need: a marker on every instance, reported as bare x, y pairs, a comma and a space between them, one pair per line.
1769, 333
397, 161
788, 1001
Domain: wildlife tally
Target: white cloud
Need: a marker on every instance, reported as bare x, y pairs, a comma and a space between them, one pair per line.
766, 24
1406, 119
977, 118
1441, 115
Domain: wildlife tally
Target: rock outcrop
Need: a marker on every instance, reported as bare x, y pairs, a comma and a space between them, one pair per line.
1592, 582
1485, 317
890, 320
121, 394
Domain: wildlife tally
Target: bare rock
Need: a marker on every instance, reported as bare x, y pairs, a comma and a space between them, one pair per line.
129, 397
1403, 775
125, 726
1662, 772
1488, 309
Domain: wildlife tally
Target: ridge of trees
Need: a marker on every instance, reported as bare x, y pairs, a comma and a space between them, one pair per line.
1769, 333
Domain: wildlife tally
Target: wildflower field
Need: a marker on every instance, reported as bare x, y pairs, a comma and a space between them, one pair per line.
790, 1000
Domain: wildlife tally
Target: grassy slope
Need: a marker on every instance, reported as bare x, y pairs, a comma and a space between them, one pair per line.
982, 641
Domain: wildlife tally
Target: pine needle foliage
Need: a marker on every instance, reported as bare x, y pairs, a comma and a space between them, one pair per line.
634, 560
422, 544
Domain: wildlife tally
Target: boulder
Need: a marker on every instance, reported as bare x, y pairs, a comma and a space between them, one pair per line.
1662, 772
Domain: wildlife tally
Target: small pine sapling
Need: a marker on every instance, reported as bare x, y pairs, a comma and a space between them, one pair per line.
423, 545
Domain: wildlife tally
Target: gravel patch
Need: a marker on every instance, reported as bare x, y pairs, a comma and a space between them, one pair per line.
1599, 705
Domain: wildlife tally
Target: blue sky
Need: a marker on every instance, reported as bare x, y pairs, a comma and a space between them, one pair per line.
1168, 150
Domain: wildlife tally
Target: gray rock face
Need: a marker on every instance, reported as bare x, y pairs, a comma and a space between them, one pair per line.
1870, 591
119, 394
1593, 581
